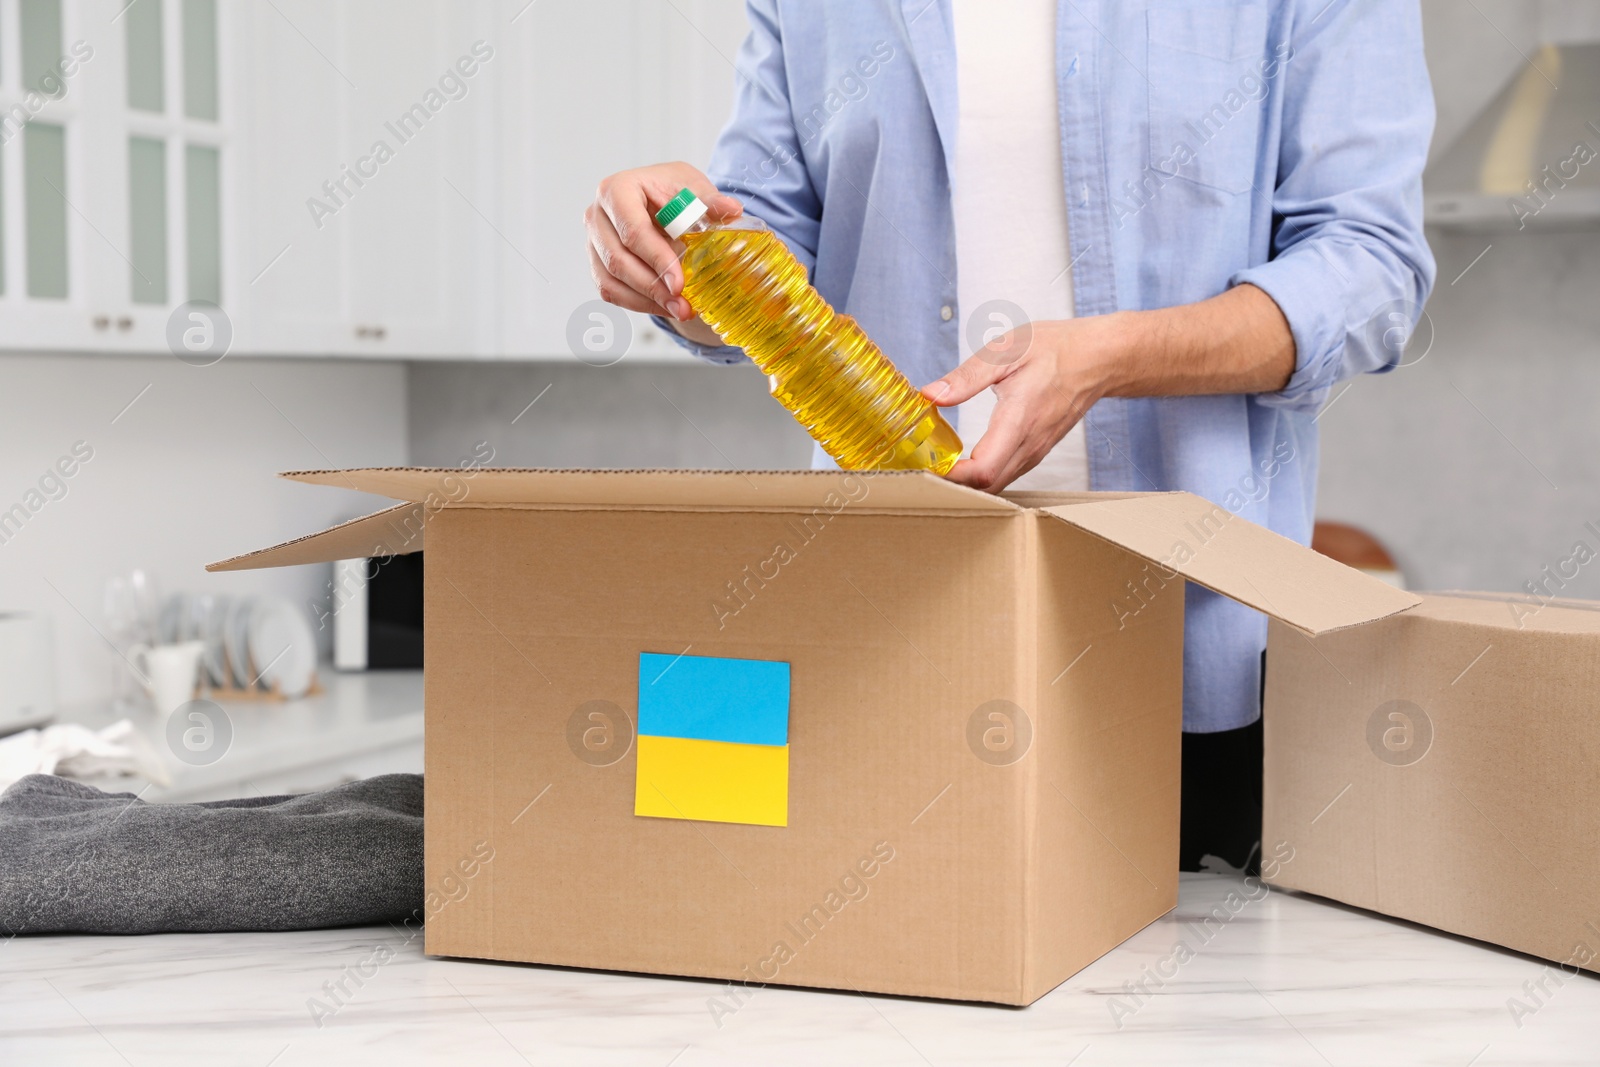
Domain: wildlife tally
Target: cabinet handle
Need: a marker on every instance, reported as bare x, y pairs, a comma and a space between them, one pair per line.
375, 333
125, 323
101, 322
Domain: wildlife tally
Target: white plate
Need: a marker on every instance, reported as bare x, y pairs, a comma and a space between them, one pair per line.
282, 647
236, 640
211, 632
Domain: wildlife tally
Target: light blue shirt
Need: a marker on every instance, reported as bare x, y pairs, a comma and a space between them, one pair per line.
1203, 144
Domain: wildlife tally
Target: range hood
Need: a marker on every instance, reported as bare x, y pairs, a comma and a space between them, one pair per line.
1531, 160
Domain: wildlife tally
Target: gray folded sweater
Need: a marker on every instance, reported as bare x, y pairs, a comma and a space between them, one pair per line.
76, 860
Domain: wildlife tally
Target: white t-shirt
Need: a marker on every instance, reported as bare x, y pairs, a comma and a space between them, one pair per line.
1009, 198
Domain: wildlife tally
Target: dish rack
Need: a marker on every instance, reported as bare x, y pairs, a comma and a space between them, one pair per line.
257, 648
258, 694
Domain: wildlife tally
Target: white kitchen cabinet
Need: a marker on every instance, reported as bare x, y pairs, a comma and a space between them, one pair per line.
109, 170
591, 87
38, 294
364, 167
386, 178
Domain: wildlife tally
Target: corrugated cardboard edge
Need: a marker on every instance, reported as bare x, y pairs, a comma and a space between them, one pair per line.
1027, 673
646, 488
1184, 534
437, 488
395, 531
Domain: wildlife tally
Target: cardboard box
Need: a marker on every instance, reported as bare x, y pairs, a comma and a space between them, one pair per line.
1443, 766
976, 719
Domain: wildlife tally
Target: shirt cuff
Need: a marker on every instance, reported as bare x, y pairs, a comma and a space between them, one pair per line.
1308, 291
724, 354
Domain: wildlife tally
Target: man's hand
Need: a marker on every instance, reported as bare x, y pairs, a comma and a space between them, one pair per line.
633, 263
1046, 375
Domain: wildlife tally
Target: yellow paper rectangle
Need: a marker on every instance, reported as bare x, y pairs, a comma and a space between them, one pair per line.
712, 781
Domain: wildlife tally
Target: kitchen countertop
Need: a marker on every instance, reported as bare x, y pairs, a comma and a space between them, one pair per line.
1288, 980
287, 746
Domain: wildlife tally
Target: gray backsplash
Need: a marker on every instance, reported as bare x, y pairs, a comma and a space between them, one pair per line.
1477, 466
628, 415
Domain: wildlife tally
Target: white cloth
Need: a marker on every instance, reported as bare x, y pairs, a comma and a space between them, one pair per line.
1009, 199
79, 752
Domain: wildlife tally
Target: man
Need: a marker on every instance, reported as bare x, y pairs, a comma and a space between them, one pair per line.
1190, 210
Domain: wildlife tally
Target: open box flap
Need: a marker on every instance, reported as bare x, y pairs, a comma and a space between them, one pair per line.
395, 531
739, 490
1210, 546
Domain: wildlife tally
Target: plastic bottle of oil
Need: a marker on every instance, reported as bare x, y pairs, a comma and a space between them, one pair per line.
748, 287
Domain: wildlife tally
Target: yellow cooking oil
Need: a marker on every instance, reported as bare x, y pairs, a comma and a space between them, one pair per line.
747, 286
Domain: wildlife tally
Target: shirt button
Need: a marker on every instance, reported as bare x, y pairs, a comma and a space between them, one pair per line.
947, 313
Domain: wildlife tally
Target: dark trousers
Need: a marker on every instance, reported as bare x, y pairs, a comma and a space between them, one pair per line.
1221, 797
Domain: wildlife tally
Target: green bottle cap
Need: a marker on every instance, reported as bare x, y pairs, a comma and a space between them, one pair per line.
674, 207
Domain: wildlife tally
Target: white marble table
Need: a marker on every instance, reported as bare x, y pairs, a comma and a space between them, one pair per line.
1290, 980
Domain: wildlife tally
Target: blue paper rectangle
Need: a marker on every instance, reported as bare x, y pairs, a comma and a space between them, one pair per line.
712, 698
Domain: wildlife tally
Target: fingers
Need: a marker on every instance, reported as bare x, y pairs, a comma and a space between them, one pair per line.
619, 272
719, 205
614, 291
627, 211
1019, 464
632, 259
968, 380
989, 465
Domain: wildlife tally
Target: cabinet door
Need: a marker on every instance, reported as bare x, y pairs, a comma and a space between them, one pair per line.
367, 133
162, 174
419, 220
49, 251
118, 169
595, 87
288, 96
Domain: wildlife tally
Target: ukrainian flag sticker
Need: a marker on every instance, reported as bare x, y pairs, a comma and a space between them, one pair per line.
713, 739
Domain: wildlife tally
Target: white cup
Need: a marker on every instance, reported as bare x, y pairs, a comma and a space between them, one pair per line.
168, 672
